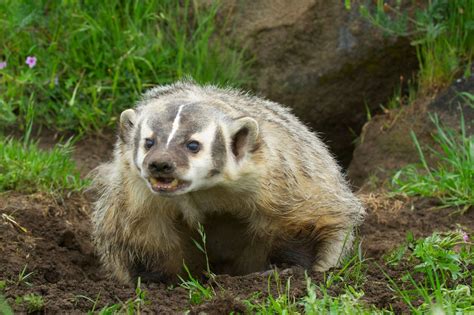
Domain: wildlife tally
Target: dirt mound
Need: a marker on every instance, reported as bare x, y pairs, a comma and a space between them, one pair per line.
385, 144
51, 237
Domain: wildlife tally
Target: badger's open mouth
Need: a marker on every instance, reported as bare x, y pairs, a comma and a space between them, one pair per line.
167, 184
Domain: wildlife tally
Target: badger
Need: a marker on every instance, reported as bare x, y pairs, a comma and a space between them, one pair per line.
263, 187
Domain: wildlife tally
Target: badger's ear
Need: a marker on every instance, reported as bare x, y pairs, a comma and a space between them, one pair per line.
244, 135
127, 122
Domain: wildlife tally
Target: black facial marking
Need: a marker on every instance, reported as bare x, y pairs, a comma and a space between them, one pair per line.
218, 152
191, 121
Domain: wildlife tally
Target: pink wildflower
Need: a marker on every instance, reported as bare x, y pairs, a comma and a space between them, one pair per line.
3, 65
31, 61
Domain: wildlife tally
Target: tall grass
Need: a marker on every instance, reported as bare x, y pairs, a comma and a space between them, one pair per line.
452, 179
94, 58
442, 32
25, 167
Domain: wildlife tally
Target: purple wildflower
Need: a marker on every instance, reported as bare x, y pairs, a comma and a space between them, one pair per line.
31, 61
465, 237
3, 65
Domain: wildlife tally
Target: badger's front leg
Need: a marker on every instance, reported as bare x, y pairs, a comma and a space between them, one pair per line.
127, 260
312, 240
138, 244
157, 268
331, 250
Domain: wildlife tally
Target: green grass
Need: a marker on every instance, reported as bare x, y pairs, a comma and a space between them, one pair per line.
400, 99
451, 180
316, 301
198, 293
468, 98
94, 58
282, 303
5, 309
442, 32
33, 302
25, 167
23, 276
445, 263
319, 301
441, 281
133, 305
350, 276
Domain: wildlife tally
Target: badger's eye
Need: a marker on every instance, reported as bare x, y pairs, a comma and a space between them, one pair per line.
193, 146
149, 143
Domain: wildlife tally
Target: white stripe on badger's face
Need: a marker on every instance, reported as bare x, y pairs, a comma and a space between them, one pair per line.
175, 125
145, 132
201, 165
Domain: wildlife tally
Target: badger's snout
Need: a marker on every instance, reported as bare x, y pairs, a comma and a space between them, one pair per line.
163, 177
159, 168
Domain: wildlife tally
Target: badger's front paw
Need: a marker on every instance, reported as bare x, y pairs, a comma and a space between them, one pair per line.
150, 275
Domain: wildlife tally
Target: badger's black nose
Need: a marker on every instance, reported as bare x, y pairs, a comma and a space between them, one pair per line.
157, 167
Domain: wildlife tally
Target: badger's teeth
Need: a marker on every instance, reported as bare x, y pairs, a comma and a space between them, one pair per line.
160, 185
153, 181
174, 183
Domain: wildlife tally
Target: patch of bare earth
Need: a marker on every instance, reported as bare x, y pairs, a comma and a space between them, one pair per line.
51, 237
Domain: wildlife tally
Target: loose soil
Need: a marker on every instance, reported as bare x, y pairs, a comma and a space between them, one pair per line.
51, 237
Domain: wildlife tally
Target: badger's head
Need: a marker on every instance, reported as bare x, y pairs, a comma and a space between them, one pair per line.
178, 146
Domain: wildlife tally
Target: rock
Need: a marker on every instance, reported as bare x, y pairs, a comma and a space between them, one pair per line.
322, 60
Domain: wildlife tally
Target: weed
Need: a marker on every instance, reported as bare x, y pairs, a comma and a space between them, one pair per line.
131, 306
198, 293
468, 98
452, 181
282, 303
353, 269
3, 285
435, 296
447, 254
202, 247
437, 253
25, 167
95, 59
23, 276
444, 261
400, 98
395, 256
348, 302
33, 302
93, 302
